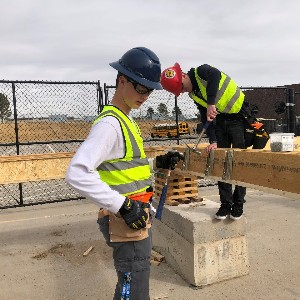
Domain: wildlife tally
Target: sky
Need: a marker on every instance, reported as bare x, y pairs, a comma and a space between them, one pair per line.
257, 42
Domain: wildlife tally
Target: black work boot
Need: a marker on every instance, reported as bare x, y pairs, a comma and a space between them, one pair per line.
236, 211
223, 211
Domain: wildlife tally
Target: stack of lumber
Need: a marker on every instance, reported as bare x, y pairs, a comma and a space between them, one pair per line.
182, 187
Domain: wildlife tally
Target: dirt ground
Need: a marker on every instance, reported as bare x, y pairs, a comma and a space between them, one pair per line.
55, 131
41, 254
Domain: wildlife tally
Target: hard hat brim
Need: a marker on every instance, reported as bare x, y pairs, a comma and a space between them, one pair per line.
145, 82
179, 72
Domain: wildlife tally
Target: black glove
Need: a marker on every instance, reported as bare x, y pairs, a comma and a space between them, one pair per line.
169, 160
134, 214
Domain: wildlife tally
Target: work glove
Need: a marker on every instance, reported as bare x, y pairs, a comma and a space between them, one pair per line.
169, 160
134, 214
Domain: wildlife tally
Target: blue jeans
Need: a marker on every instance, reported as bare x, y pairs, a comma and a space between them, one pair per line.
230, 132
133, 258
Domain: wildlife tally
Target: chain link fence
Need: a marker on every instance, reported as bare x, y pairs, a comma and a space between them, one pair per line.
44, 117
49, 117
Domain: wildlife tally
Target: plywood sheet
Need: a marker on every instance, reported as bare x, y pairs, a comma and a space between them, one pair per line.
37, 167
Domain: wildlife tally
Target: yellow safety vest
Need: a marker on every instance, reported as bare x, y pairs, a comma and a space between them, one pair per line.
130, 174
229, 97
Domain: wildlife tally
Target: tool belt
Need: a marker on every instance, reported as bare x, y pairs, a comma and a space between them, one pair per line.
119, 230
255, 134
144, 197
229, 117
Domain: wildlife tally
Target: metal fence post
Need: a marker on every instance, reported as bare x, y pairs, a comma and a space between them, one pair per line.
16, 117
291, 116
17, 135
99, 97
176, 119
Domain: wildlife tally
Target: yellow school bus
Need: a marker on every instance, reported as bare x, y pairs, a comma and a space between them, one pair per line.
169, 130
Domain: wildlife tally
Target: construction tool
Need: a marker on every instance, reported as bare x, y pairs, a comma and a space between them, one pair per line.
206, 125
194, 149
163, 197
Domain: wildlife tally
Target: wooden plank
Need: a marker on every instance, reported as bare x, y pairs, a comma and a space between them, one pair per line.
182, 187
35, 167
275, 172
153, 151
39, 167
261, 169
268, 169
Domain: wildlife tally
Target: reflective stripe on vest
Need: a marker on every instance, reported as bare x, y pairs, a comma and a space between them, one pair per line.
229, 98
130, 174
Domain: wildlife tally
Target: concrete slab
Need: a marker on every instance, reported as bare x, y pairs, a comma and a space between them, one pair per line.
272, 234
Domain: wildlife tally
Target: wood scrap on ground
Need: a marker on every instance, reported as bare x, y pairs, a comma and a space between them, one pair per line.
156, 258
87, 252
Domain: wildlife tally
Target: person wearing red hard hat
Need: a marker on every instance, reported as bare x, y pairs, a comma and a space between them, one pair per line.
221, 102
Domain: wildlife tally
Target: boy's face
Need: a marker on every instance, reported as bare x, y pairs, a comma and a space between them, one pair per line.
134, 94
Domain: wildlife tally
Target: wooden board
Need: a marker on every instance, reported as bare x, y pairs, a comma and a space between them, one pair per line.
261, 169
153, 151
182, 187
277, 172
36, 167
268, 169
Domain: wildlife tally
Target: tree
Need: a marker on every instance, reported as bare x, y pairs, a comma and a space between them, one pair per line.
179, 112
162, 109
5, 111
150, 112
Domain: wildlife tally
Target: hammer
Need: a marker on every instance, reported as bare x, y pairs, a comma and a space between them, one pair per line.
206, 125
194, 149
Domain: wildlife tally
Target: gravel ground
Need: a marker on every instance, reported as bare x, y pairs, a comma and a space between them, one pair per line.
41, 254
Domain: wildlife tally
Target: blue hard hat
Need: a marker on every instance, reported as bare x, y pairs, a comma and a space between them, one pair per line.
141, 65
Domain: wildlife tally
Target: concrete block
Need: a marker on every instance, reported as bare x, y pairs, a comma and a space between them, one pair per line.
201, 249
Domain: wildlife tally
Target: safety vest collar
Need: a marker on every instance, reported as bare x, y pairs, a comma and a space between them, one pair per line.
132, 145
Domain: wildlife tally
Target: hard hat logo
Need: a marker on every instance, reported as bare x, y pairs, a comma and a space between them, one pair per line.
170, 73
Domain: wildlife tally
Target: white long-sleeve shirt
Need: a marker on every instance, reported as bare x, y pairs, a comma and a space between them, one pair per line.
104, 142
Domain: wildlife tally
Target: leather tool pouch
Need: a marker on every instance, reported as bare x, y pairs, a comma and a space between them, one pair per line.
120, 232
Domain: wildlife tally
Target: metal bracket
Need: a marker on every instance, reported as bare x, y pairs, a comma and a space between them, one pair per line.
187, 154
228, 164
210, 163
186, 158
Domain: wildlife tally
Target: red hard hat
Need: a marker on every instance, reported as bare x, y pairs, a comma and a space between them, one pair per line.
171, 79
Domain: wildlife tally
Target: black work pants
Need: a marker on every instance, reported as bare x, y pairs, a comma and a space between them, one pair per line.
230, 132
131, 258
